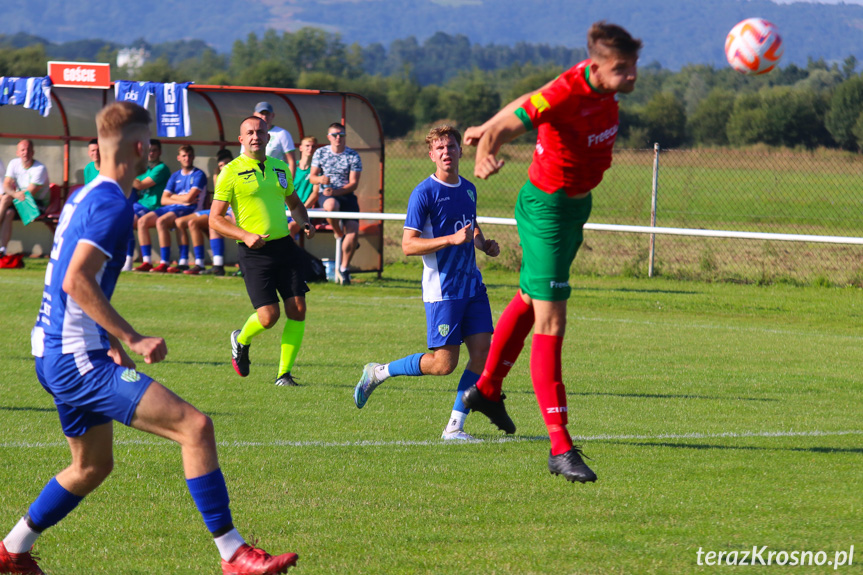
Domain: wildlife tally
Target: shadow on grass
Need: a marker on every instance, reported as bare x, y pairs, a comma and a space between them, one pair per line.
40, 409
741, 447
632, 290
530, 392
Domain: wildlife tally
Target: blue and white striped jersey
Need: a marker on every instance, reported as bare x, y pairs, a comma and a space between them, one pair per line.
438, 209
100, 215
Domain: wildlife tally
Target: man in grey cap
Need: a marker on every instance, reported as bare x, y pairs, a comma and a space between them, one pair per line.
281, 144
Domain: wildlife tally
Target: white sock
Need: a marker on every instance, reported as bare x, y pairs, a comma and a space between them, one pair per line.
382, 372
456, 422
130, 261
147, 259
21, 538
183, 262
218, 260
199, 262
229, 543
343, 270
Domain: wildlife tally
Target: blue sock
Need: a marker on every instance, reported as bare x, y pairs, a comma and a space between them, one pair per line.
211, 498
184, 251
218, 246
52, 505
130, 249
468, 378
165, 253
199, 252
146, 251
409, 365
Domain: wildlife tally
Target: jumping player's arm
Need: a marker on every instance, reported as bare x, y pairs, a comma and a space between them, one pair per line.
81, 285
499, 132
473, 134
299, 213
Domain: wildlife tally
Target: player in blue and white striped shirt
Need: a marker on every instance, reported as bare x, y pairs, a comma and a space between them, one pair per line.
81, 362
441, 227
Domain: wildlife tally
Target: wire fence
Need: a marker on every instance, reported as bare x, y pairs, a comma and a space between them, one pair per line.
753, 190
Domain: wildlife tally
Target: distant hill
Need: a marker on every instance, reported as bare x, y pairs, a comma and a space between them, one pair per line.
675, 32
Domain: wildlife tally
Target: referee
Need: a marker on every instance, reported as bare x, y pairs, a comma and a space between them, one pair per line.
257, 187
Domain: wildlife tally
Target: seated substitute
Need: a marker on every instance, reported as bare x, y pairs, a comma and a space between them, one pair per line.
77, 343
184, 193
441, 227
147, 193
198, 226
23, 174
91, 170
336, 168
305, 190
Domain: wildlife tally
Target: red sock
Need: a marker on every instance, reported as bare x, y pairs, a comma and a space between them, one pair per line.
548, 386
509, 335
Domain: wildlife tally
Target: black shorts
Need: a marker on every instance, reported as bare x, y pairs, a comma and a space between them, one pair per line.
275, 268
347, 203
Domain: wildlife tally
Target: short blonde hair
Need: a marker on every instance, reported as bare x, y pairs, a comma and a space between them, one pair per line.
442, 132
311, 139
114, 119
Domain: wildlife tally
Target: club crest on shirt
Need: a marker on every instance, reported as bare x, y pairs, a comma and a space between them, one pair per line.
471, 195
131, 376
283, 177
443, 329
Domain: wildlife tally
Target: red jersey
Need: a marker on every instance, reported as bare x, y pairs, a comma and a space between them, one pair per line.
577, 127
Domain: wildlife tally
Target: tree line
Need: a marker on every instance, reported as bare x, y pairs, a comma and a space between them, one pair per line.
446, 77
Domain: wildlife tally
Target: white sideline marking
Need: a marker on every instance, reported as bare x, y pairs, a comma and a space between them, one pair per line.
437, 442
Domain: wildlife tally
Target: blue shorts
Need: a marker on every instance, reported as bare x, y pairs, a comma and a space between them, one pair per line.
450, 321
178, 209
140, 210
104, 391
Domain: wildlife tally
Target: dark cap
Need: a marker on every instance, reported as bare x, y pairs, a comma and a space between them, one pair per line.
263, 107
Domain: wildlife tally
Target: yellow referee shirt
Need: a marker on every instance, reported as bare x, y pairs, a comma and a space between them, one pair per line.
257, 194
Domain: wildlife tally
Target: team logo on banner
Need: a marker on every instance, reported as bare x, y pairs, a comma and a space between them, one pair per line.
283, 178
131, 376
443, 329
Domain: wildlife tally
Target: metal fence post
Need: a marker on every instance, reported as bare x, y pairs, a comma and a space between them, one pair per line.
652, 249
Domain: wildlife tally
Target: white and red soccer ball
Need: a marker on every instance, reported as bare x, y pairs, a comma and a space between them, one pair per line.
753, 46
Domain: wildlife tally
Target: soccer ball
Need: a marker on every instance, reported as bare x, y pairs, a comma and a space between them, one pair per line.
753, 46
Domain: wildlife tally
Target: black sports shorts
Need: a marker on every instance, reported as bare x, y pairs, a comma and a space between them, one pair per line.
275, 268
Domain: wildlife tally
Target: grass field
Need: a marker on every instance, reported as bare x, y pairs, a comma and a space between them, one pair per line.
758, 189
718, 417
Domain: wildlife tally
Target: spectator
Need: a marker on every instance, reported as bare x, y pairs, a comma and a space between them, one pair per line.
305, 190
147, 192
198, 224
184, 193
91, 170
281, 144
24, 174
336, 168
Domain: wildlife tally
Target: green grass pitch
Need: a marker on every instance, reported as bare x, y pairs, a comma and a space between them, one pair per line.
718, 417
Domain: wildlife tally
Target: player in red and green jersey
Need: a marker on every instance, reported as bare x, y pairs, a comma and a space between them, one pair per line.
577, 119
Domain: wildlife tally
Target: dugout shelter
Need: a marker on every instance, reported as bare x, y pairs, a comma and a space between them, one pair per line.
215, 114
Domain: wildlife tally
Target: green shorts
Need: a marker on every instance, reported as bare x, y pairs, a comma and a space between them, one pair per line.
550, 229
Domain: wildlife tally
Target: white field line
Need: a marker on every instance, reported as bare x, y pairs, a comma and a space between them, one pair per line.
438, 442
